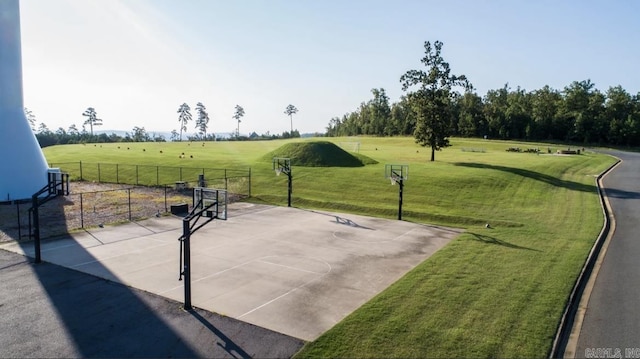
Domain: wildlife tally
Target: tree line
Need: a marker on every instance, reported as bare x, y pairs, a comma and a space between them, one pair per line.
579, 113
47, 137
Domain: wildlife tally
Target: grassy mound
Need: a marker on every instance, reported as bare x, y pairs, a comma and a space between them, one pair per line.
319, 154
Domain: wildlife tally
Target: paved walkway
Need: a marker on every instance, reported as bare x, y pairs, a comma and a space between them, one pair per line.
287, 270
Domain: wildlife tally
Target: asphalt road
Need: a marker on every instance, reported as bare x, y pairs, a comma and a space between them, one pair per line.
611, 324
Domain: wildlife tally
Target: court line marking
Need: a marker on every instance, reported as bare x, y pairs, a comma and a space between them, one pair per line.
289, 267
287, 293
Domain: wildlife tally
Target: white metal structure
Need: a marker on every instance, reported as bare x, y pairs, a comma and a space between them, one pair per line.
23, 167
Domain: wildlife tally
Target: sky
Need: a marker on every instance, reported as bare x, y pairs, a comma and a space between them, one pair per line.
137, 61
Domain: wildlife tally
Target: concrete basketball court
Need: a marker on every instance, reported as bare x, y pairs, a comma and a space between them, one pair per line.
294, 271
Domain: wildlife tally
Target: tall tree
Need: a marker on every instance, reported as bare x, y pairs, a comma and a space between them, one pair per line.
202, 122
379, 112
545, 103
237, 116
43, 129
73, 130
184, 117
290, 111
471, 121
495, 112
92, 118
619, 108
518, 114
584, 108
432, 101
174, 135
140, 134
31, 118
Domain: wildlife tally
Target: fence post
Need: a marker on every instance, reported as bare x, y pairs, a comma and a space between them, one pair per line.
129, 195
157, 175
249, 181
180, 174
36, 227
226, 181
81, 213
166, 209
81, 178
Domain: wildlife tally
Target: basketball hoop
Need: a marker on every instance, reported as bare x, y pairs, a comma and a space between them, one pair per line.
397, 173
283, 165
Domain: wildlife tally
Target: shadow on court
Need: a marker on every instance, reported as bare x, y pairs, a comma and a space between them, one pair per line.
52, 311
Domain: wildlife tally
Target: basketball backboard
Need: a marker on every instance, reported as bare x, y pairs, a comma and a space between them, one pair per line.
396, 173
212, 200
282, 165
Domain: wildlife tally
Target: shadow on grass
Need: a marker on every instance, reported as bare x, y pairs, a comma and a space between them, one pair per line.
553, 181
493, 240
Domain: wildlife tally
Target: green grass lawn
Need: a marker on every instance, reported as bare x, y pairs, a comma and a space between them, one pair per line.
492, 292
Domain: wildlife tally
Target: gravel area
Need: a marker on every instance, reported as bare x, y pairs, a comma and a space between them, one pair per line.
91, 204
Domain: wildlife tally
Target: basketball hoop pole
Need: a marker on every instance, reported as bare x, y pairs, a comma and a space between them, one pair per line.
398, 179
283, 165
290, 189
400, 187
186, 269
398, 173
190, 225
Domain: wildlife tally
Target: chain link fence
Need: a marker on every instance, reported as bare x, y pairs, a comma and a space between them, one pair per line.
90, 209
104, 194
235, 181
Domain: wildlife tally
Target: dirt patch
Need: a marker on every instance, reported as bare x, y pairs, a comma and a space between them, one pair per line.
91, 204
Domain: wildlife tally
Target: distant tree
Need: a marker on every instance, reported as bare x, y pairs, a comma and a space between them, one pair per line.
519, 114
202, 122
92, 118
403, 119
584, 109
174, 135
73, 130
184, 117
545, 103
495, 112
471, 121
43, 129
290, 111
237, 116
31, 118
619, 111
432, 101
140, 134
379, 113
333, 127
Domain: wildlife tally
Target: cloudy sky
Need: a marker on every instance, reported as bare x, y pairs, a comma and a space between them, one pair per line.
136, 61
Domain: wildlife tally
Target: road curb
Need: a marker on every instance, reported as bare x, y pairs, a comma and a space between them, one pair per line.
565, 328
